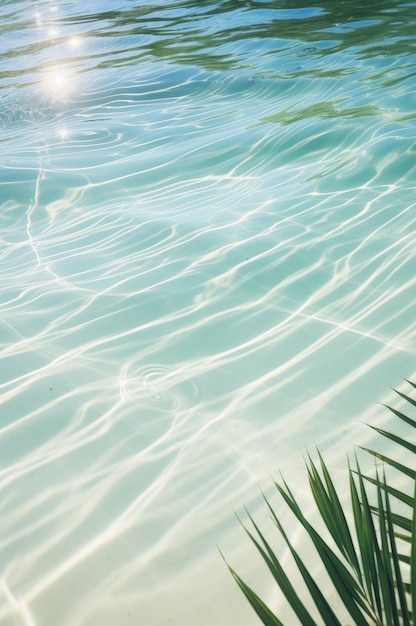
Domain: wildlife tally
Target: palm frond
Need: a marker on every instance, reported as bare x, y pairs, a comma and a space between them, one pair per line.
374, 578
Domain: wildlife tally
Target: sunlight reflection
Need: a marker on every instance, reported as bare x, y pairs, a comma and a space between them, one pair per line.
75, 42
63, 133
57, 83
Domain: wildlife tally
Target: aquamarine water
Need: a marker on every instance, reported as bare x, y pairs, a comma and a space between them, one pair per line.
207, 267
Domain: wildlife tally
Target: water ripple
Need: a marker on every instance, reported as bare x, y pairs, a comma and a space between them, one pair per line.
207, 249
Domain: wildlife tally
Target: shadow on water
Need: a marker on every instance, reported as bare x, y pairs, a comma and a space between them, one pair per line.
200, 34
197, 38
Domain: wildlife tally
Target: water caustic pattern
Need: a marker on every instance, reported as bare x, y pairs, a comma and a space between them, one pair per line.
207, 266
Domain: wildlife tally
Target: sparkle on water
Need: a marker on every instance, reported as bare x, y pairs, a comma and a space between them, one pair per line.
208, 267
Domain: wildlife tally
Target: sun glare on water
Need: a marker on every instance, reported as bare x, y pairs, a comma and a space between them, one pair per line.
58, 80
75, 42
58, 83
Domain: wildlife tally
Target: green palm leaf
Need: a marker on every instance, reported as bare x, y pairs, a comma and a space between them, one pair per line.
404, 469
374, 579
265, 614
321, 603
280, 576
331, 511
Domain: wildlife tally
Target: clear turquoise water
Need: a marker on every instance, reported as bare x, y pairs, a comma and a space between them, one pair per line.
207, 267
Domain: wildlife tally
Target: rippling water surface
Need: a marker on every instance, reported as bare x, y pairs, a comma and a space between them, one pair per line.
207, 267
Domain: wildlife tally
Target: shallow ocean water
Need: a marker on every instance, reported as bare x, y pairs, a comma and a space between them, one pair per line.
207, 268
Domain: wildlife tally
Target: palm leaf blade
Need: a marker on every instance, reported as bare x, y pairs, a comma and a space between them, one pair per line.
265, 614
370, 559
322, 605
402, 442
